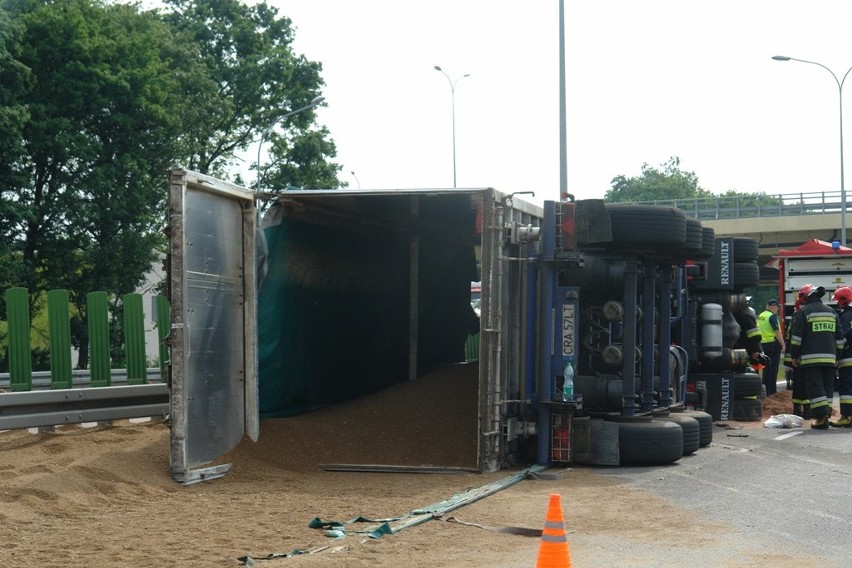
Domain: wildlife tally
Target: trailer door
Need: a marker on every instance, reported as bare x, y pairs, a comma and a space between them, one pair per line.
211, 279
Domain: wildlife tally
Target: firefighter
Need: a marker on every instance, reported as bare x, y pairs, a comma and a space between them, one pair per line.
801, 404
772, 343
749, 338
816, 339
843, 297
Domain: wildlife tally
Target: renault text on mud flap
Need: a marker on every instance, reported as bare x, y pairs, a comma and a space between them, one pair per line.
725, 410
724, 263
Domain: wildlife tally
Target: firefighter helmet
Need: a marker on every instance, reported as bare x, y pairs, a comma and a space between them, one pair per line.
805, 291
843, 296
809, 290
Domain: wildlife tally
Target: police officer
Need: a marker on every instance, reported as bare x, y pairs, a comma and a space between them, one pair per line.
843, 297
816, 338
772, 343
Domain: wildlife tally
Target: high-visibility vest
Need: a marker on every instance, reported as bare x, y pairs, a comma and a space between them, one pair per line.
767, 333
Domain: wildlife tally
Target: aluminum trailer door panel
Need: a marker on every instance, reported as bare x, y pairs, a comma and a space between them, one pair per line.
212, 374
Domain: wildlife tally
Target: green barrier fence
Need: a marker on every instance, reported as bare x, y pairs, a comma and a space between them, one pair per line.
471, 348
59, 338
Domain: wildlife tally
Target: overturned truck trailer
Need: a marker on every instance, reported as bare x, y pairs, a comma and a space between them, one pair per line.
335, 295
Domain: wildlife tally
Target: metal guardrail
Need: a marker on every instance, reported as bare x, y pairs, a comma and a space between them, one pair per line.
761, 205
74, 406
43, 406
81, 378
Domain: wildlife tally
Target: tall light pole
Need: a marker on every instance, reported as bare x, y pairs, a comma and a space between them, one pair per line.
356, 178
453, 94
563, 136
314, 102
840, 83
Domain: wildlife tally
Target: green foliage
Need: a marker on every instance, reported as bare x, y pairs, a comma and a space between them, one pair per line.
672, 186
654, 184
16, 80
97, 100
248, 55
87, 181
759, 295
752, 200
297, 161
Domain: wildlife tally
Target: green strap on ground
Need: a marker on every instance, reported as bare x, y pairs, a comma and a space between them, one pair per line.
392, 525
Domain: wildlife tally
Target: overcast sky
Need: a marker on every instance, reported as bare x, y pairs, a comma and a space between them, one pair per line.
645, 80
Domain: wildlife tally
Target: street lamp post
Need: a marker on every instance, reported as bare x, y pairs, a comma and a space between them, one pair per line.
314, 102
453, 94
840, 83
356, 178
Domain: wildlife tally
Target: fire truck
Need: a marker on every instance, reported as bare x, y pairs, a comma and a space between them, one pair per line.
815, 262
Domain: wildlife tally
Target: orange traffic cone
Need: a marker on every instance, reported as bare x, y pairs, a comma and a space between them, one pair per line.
553, 552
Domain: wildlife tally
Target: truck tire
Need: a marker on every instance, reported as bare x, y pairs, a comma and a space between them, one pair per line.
746, 275
643, 227
708, 242
690, 427
692, 247
746, 410
643, 441
746, 385
705, 424
745, 249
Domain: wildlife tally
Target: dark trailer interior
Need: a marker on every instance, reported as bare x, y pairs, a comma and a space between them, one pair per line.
360, 292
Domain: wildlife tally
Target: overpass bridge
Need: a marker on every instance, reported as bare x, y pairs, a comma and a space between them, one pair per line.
779, 221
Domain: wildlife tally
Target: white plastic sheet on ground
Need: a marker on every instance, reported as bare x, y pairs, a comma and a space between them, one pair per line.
784, 421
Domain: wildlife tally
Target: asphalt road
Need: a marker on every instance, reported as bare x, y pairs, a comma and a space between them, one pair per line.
788, 490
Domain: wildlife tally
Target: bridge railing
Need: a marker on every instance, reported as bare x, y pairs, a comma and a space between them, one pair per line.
750, 206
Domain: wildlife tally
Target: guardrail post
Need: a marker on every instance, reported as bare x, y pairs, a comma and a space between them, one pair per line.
20, 351
59, 325
134, 339
98, 326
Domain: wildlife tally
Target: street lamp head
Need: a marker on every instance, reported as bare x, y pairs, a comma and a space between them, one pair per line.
840, 96
452, 84
314, 102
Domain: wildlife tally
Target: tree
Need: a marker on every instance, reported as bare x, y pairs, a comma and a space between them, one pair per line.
248, 53
755, 200
97, 100
669, 183
298, 160
105, 98
15, 82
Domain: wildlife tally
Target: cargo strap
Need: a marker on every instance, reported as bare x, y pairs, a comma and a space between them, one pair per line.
520, 531
337, 529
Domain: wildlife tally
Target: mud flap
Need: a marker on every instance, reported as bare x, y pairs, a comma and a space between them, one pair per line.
595, 442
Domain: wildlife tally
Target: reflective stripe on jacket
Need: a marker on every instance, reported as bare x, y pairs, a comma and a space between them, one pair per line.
815, 335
